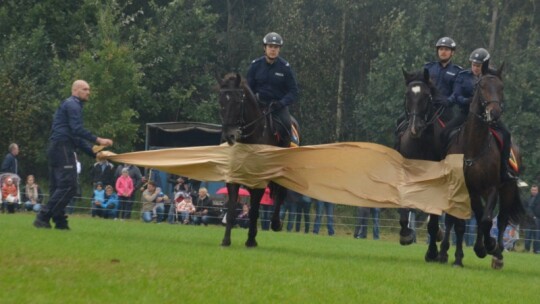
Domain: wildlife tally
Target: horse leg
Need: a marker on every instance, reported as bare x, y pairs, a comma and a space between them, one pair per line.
256, 195
445, 244
476, 205
489, 242
433, 229
459, 229
278, 194
406, 234
232, 190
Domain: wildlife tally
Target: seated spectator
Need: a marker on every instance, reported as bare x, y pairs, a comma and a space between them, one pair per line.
108, 204
32, 195
186, 209
109, 207
243, 217
98, 196
203, 208
10, 195
153, 200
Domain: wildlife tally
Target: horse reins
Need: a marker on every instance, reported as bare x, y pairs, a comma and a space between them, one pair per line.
242, 125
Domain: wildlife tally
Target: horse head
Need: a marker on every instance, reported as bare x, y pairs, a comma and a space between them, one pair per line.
488, 98
237, 107
418, 101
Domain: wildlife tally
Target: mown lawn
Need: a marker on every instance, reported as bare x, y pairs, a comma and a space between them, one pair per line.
102, 261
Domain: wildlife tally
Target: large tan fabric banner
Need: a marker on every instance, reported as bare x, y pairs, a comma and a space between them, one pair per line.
353, 173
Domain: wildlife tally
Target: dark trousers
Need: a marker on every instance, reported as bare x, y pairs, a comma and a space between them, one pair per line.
63, 181
282, 124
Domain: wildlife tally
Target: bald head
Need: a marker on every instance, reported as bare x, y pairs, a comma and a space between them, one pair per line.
80, 89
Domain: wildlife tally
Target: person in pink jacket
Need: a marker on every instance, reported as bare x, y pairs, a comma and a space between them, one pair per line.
124, 188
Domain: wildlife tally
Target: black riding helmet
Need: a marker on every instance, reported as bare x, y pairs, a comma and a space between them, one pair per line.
480, 55
273, 38
447, 42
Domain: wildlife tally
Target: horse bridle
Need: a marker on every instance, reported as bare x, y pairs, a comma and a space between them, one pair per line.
241, 123
484, 102
426, 117
483, 117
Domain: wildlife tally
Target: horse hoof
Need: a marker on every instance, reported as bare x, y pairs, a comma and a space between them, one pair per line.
226, 243
496, 263
457, 264
443, 258
407, 237
480, 251
431, 257
277, 226
251, 243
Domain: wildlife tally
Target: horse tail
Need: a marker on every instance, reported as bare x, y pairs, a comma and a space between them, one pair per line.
511, 203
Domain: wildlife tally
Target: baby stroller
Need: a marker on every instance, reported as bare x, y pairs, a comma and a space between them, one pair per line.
11, 196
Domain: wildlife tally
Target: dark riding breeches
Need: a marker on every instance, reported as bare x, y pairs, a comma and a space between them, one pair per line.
282, 123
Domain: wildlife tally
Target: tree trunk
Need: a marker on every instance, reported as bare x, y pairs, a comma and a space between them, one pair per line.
339, 107
493, 33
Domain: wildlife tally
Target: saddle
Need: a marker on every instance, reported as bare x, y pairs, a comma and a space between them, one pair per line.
513, 159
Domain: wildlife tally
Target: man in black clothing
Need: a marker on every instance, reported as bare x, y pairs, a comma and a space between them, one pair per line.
67, 135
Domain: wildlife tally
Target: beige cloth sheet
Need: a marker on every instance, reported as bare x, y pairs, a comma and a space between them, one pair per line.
350, 173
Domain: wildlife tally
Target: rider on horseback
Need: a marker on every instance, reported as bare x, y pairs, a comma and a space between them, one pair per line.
442, 73
463, 92
271, 78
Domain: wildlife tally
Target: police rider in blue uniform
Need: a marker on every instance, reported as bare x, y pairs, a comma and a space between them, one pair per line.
67, 134
462, 95
443, 72
271, 78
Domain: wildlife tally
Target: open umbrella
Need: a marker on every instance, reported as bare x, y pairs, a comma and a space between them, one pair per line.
241, 192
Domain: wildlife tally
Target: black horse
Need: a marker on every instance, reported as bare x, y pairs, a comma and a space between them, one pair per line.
481, 167
421, 139
246, 121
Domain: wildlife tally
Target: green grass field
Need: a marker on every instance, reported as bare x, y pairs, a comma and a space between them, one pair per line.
102, 261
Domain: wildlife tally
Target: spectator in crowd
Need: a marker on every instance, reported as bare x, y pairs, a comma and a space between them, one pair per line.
362, 215
243, 217
32, 195
532, 231
510, 235
10, 164
290, 205
304, 208
136, 177
267, 208
125, 189
186, 209
98, 197
153, 200
470, 228
103, 171
203, 208
329, 210
153, 175
110, 204
10, 194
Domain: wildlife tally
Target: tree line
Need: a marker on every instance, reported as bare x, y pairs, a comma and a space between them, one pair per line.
156, 61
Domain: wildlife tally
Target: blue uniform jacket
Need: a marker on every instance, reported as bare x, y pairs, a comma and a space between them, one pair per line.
274, 81
463, 90
443, 77
67, 125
